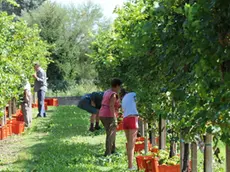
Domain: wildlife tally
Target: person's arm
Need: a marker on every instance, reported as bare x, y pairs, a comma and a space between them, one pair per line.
26, 96
111, 105
93, 98
93, 103
40, 76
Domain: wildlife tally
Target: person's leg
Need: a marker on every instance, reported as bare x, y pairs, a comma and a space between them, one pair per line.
97, 127
25, 114
92, 119
30, 114
43, 95
112, 136
127, 137
105, 123
113, 150
132, 135
39, 105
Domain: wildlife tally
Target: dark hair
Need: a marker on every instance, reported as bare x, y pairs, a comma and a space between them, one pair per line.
116, 82
123, 92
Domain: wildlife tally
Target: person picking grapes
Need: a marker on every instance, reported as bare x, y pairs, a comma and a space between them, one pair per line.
108, 115
92, 103
130, 124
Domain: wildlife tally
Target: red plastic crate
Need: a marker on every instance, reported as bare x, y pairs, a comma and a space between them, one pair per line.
3, 132
51, 102
142, 161
18, 127
120, 126
9, 129
34, 105
141, 146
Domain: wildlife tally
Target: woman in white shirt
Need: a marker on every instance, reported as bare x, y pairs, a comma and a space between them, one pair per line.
130, 123
27, 104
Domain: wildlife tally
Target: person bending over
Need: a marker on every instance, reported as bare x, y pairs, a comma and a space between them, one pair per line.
92, 103
108, 115
130, 124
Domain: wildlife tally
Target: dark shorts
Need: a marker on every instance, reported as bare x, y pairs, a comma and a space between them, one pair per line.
85, 104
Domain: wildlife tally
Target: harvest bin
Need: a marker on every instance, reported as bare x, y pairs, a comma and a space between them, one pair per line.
3, 132
144, 162
151, 164
9, 129
141, 146
18, 127
120, 126
51, 102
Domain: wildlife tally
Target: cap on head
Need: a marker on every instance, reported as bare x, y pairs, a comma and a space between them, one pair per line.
36, 64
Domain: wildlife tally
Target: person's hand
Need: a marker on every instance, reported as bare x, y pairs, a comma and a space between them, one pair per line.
35, 76
115, 121
93, 104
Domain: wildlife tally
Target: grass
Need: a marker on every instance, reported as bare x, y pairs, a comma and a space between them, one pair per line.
75, 90
61, 142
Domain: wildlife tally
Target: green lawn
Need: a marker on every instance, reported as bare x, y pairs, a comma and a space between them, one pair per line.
61, 142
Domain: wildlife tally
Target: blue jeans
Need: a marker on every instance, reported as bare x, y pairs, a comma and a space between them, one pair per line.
41, 103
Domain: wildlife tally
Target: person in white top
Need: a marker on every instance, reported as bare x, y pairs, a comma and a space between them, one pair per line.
27, 104
130, 123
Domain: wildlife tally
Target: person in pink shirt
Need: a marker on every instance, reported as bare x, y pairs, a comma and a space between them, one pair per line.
108, 114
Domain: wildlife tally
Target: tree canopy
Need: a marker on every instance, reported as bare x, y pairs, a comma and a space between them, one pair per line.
22, 5
175, 55
20, 47
69, 29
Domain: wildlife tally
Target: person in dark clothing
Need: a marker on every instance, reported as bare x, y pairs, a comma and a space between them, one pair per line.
92, 104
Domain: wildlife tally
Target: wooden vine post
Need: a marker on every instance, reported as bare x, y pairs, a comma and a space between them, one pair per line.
227, 158
194, 156
141, 127
10, 109
181, 152
208, 153
14, 106
162, 133
34, 98
153, 137
146, 136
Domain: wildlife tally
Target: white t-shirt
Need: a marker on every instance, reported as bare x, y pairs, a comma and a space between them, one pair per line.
27, 86
129, 104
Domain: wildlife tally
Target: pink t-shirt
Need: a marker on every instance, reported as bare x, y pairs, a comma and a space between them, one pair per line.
105, 108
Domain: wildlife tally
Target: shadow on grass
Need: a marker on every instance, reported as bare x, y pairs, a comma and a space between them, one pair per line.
66, 145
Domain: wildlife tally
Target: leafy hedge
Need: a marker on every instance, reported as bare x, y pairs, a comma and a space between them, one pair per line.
175, 55
20, 46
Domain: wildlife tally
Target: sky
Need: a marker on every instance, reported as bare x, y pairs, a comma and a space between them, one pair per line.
107, 5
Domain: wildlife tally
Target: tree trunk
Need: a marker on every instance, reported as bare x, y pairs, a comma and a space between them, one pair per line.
162, 133
153, 137
208, 153
227, 158
146, 136
142, 128
194, 156
14, 106
181, 152
172, 148
10, 109
186, 158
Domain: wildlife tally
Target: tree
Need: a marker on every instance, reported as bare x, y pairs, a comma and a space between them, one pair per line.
69, 29
23, 5
20, 47
171, 53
